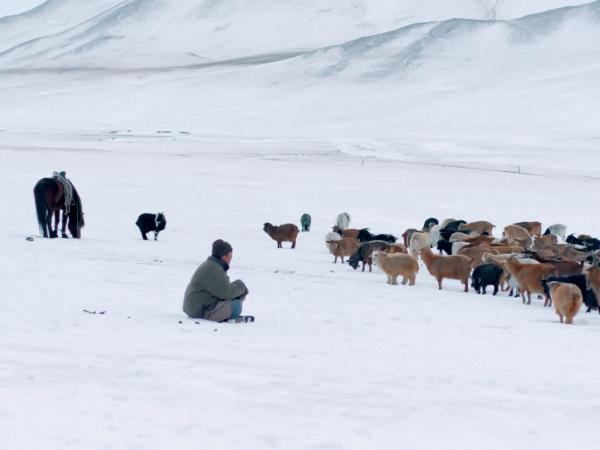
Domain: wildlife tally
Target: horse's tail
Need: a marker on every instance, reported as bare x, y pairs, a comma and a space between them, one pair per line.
79, 206
40, 207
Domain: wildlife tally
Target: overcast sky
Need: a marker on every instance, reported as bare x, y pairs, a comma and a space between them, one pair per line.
9, 7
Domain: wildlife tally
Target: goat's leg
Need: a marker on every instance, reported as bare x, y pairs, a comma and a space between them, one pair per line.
294, 243
495, 289
439, 280
466, 283
156, 235
144, 237
404, 280
528, 297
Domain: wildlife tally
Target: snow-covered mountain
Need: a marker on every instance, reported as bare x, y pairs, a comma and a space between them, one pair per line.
165, 33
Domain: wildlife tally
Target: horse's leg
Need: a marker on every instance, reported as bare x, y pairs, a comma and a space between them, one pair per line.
52, 214
63, 227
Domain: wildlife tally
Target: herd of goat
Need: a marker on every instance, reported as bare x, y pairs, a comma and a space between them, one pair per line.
564, 270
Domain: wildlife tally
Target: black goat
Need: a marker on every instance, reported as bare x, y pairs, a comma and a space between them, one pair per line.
365, 252
151, 222
589, 298
444, 245
453, 226
364, 235
486, 275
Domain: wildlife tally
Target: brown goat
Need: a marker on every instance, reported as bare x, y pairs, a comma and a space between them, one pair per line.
514, 234
593, 279
480, 226
567, 300
456, 267
476, 253
541, 242
343, 247
504, 249
478, 240
348, 232
397, 248
563, 267
288, 232
534, 228
397, 264
529, 277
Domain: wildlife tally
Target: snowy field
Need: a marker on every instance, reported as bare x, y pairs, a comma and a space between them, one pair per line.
447, 118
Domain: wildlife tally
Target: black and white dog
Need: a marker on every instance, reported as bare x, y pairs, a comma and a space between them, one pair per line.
151, 222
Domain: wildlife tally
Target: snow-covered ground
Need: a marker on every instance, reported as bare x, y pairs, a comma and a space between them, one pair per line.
393, 112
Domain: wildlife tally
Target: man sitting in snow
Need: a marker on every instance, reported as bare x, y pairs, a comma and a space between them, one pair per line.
210, 295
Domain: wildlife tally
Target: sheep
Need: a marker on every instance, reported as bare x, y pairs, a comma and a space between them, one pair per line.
567, 300
519, 235
485, 275
364, 252
480, 227
343, 221
282, 233
364, 235
429, 223
348, 232
534, 228
418, 241
305, 221
454, 267
342, 247
397, 264
558, 229
407, 235
529, 277
581, 281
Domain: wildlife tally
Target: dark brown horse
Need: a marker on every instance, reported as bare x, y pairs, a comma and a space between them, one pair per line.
49, 195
